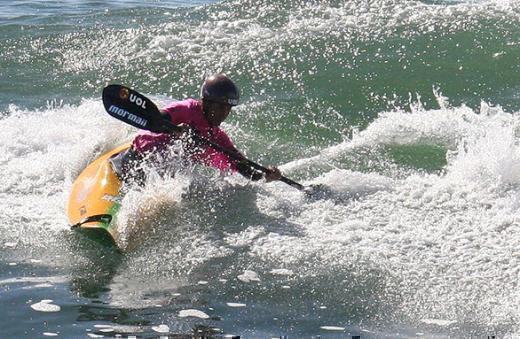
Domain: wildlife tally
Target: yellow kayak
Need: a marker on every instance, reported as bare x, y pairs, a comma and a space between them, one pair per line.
95, 198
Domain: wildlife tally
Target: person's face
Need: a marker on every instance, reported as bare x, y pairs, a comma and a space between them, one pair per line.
216, 112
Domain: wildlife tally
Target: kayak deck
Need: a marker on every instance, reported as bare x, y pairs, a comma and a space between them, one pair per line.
95, 198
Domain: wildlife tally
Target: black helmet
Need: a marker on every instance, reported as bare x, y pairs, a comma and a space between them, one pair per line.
220, 88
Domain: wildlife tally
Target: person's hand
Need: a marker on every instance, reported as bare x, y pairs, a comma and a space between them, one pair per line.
272, 174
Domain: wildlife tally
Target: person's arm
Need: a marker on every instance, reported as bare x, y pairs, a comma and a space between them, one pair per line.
224, 162
233, 164
177, 118
255, 175
248, 171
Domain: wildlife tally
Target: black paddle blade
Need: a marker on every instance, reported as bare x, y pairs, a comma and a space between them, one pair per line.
135, 109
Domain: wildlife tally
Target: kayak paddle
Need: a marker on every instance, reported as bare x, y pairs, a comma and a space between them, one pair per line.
135, 109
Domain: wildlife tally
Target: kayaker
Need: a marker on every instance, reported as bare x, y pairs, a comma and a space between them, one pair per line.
217, 97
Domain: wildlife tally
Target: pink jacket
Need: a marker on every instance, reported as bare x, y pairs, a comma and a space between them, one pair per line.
190, 112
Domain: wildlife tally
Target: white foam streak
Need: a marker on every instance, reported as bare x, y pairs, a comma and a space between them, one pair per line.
141, 206
46, 306
490, 155
446, 235
193, 313
42, 153
227, 37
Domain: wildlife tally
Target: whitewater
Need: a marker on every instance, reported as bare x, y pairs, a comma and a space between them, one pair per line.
406, 112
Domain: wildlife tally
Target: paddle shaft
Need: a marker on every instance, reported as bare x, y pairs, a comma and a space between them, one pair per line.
203, 141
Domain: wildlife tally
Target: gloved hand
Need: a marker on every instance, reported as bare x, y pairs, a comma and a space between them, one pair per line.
273, 173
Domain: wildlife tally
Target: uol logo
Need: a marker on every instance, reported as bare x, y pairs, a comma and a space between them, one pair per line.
137, 100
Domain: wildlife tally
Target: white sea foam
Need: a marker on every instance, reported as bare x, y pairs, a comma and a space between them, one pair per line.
235, 305
35, 280
161, 328
44, 285
193, 313
441, 237
445, 235
332, 328
439, 322
41, 153
225, 37
248, 276
46, 306
102, 326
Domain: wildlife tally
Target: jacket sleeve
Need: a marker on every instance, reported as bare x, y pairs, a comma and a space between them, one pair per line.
174, 114
248, 171
239, 166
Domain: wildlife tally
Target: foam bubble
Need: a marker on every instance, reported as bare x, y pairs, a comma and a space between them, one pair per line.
45, 306
332, 328
248, 276
161, 328
44, 285
193, 313
235, 305
93, 335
